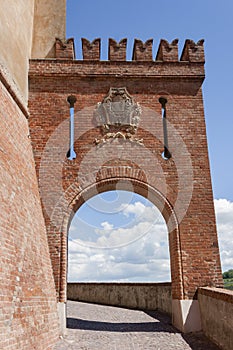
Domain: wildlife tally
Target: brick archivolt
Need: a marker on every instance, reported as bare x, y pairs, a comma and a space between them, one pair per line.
123, 183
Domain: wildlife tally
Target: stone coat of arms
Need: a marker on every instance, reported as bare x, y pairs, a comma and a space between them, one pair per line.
118, 115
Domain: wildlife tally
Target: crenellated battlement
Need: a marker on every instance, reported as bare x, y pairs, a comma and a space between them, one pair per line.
64, 49
142, 51
91, 50
117, 51
193, 52
168, 52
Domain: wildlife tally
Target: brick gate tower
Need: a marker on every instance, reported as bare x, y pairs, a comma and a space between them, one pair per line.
139, 126
87, 126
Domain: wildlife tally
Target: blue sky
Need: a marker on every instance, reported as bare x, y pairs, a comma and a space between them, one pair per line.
211, 20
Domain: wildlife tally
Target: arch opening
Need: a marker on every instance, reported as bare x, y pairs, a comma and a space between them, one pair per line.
164, 207
147, 192
118, 235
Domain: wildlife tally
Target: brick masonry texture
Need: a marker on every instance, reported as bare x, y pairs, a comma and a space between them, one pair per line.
28, 318
180, 186
35, 223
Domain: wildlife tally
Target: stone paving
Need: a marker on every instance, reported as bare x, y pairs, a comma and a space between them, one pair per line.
98, 327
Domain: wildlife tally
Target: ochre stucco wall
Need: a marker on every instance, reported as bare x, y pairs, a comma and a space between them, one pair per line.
49, 23
16, 28
28, 28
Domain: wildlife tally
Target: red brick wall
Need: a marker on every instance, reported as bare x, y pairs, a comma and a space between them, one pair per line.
183, 181
28, 318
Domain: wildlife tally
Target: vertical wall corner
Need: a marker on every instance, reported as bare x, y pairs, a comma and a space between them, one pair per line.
49, 23
186, 315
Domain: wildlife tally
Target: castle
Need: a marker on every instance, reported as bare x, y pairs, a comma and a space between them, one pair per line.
42, 186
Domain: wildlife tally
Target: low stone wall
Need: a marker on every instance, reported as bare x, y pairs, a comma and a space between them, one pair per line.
146, 296
216, 307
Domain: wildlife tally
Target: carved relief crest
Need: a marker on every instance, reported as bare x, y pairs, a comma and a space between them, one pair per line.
118, 115
118, 108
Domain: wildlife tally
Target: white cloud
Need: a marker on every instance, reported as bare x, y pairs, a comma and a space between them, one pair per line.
224, 217
142, 212
134, 253
137, 208
138, 252
106, 226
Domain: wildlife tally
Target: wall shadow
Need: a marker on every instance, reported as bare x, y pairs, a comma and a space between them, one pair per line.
161, 323
122, 327
196, 341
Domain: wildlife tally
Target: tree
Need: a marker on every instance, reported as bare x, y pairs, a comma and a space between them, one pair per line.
228, 274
